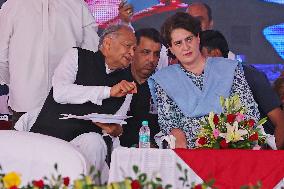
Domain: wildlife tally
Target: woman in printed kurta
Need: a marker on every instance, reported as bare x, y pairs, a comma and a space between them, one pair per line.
187, 92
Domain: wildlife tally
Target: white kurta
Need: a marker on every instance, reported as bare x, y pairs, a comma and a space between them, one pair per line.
34, 36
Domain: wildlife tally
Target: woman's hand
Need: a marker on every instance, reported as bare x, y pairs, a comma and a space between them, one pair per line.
180, 138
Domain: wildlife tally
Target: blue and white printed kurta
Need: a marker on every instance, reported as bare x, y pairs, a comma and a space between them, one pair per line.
170, 116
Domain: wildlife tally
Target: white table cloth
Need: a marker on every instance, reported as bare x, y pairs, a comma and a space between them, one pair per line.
150, 161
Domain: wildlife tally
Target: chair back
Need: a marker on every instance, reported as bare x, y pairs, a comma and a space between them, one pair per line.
34, 155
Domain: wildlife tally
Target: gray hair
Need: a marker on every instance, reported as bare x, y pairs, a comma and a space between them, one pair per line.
111, 30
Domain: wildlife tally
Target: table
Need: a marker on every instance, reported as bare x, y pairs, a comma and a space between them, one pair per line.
151, 161
229, 168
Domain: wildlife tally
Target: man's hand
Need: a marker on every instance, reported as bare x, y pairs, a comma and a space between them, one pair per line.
111, 129
123, 88
125, 12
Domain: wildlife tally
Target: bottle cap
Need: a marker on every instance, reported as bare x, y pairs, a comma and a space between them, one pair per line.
145, 123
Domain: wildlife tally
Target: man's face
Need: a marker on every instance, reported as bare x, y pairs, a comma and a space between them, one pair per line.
121, 48
146, 57
199, 11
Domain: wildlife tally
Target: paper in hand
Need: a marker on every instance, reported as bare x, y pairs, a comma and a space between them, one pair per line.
101, 118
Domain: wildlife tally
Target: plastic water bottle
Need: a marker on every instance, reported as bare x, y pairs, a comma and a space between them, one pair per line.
144, 135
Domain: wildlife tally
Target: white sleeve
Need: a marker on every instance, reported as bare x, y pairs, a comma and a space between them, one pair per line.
64, 89
90, 28
7, 12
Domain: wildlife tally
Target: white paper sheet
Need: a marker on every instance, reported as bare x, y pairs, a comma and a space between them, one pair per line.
101, 118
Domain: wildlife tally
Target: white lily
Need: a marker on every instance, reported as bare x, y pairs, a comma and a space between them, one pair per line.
210, 119
233, 134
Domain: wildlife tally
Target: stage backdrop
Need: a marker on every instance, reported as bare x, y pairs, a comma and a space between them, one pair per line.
253, 28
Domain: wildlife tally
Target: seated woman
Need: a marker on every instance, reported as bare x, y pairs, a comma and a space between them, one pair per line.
186, 92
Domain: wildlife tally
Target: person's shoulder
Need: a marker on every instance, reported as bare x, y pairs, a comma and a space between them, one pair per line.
87, 51
222, 60
219, 64
168, 69
250, 70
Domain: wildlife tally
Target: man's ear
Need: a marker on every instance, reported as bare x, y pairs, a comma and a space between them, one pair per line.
198, 38
107, 43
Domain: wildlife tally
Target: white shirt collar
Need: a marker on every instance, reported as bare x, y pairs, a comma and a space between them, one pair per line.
108, 71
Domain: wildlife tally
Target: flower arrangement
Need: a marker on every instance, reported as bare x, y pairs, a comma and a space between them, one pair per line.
230, 129
12, 180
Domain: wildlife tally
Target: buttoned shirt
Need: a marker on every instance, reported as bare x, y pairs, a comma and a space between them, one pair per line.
64, 89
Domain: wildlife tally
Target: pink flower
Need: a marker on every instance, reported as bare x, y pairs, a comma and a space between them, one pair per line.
240, 117
216, 133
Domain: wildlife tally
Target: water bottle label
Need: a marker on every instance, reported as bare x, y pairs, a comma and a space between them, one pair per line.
144, 138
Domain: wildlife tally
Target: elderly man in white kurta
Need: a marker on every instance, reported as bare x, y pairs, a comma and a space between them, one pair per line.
34, 36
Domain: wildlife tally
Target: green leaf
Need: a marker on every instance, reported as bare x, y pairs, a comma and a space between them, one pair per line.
210, 182
222, 101
135, 169
56, 166
216, 145
181, 178
92, 170
142, 178
129, 178
158, 179
168, 186
262, 121
179, 166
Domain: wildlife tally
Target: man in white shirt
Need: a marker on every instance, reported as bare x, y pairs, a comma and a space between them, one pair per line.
90, 82
34, 36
